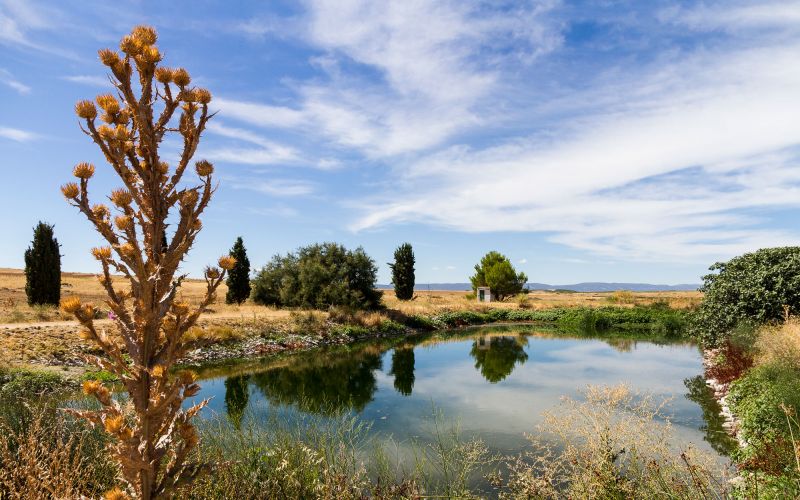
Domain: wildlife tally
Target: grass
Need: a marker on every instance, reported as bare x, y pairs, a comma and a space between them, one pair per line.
608, 444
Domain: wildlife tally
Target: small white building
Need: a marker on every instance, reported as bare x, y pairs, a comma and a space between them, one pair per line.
483, 294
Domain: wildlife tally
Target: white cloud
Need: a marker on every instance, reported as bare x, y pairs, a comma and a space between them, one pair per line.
261, 115
732, 15
428, 85
268, 152
599, 183
16, 134
92, 80
276, 187
6, 78
522, 261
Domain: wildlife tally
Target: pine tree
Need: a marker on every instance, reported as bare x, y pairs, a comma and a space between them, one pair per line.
403, 272
43, 267
151, 434
239, 277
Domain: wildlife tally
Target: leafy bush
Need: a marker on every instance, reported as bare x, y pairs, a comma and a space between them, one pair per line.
752, 287
319, 276
761, 400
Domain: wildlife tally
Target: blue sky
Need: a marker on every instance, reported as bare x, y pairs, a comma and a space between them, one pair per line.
591, 140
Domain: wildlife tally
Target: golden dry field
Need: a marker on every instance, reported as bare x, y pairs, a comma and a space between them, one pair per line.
43, 336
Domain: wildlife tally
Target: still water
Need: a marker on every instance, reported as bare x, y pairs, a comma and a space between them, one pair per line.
495, 381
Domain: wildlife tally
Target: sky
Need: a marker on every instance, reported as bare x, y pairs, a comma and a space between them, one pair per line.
595, 140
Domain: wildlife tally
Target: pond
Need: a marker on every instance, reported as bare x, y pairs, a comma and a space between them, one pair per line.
494, 381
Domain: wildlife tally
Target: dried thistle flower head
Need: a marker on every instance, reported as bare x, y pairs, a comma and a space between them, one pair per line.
189, 198
151, 54
181, 77
86, 110
101, 211
158, 371
83, 170
121, 133
115, 494
123, 222
212, 273
202, 96
227, 262
145, 34
70, 190
109, 57
90, 387
101, 253
70, 305
130, 45
114, 423
204, 168
163, 75
127, 250
121, 197
198, 225
105, 132
163, 167
109, 103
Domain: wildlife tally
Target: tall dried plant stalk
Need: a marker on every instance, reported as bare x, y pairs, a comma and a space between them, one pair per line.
151, 443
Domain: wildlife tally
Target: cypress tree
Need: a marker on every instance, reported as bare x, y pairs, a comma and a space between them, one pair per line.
43, 267
403, 272
239, 277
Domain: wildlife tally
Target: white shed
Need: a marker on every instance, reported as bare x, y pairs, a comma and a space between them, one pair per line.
484, 294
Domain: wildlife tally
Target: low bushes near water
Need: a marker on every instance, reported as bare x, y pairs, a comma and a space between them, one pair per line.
613, 444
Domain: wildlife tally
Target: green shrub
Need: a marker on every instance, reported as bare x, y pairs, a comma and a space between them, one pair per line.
319, 276
403, 272
753, 287
761, 400
389, 327
352, 331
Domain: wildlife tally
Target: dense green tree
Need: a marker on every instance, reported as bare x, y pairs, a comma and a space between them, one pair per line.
751, 288
237, 396
496, 272
403, 370
403, 272
239, 277
496, 357
43, 267
319, 276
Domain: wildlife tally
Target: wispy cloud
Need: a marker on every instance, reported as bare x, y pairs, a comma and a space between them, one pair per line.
267, 153
7, 79
17, 135
601, 185
92, 80
276, 187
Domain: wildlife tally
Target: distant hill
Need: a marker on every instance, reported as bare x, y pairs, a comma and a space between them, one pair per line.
577, 287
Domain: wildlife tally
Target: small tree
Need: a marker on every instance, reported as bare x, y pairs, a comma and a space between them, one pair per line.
151, 443
403, 272
496, 272
43, 267
239, 277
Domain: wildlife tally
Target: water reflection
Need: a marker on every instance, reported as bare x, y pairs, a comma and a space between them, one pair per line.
715, 434
403, 369
496, 356
325, 383
236, 398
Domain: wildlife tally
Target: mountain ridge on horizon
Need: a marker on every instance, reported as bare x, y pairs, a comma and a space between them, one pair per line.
587, 286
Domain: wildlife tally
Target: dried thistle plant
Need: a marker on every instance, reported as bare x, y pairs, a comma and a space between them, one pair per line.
151, 443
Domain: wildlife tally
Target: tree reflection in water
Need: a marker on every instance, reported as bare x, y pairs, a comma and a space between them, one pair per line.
403, 369
496, 357
326, 383
236, 398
